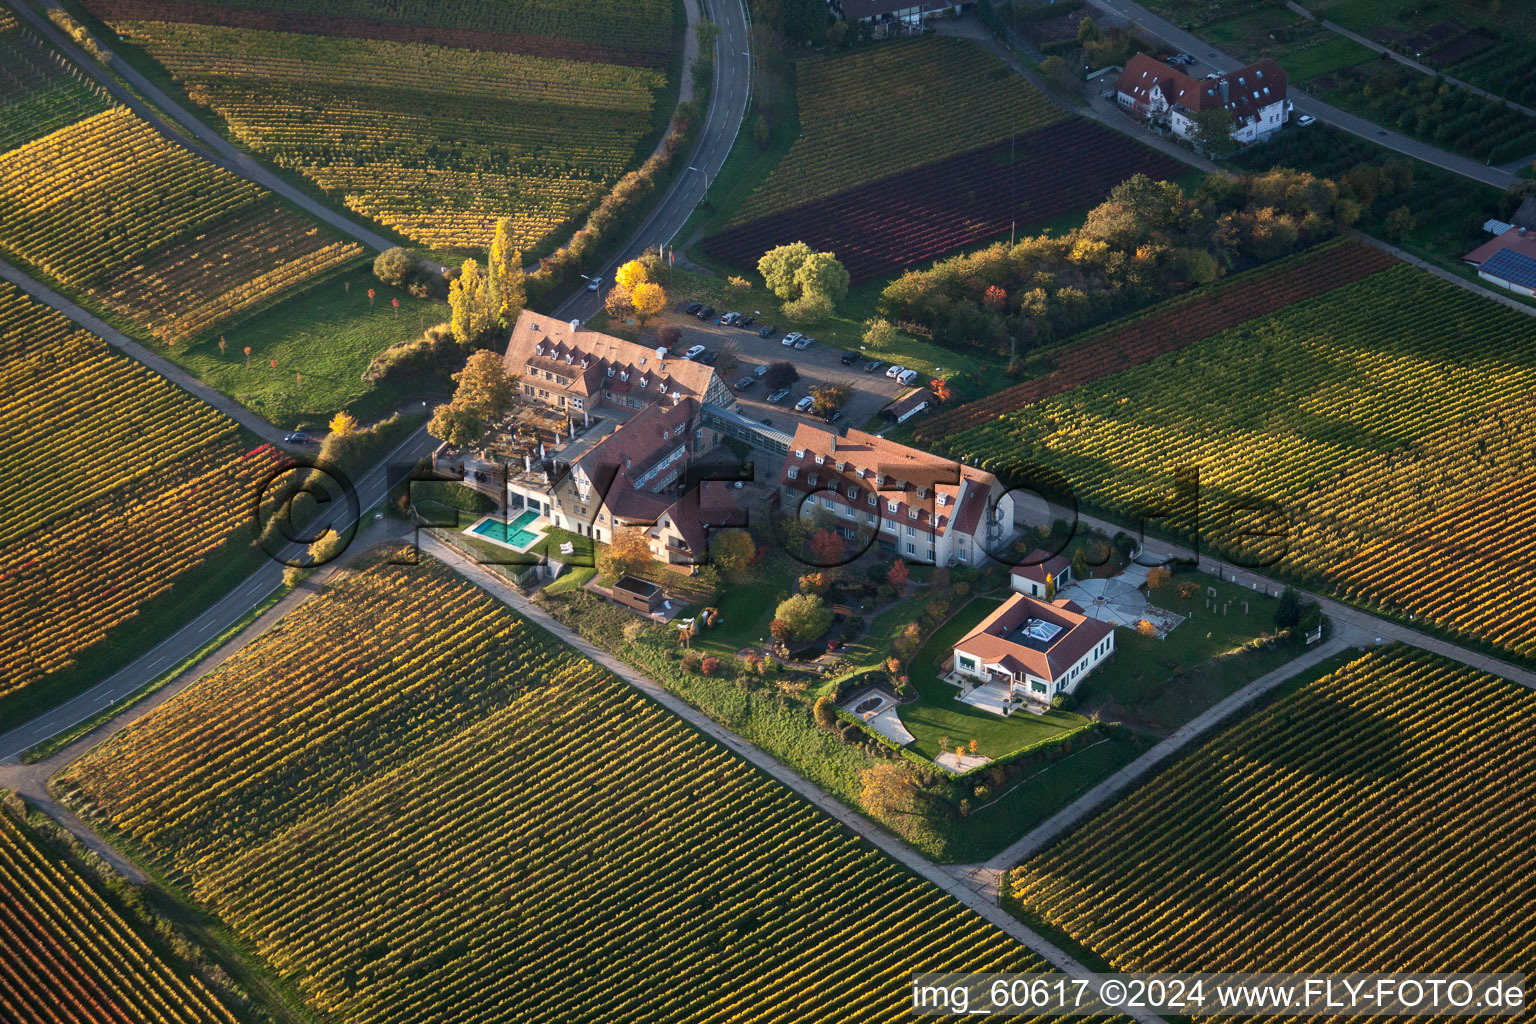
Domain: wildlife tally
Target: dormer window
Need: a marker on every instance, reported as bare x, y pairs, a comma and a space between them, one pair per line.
943, 500
873, 501
792, 472
820, 460
623, 375
611, 371
799, 453
811, 479
853, 492
642, 382
890, 506
912, 513
922, 492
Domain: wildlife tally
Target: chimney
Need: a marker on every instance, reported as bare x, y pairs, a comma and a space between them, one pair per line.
834, 442
575, 326
1222, 85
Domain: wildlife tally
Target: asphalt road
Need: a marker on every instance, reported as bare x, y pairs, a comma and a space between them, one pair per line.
727, 108
722, 122
214, 619
1208, 58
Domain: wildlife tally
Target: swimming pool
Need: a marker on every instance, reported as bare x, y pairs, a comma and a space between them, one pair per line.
514, 533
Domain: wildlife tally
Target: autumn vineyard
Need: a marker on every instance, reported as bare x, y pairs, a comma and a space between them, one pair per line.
405, 843
434, 120
1361, 413
156, 485
1328, 832
66, 954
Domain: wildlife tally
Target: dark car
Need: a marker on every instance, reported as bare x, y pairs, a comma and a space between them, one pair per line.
297, 437
693, 307
766, 421
849, 358
746, 321
745, 382
705, 313
834, 415
873, 365
708, 358
766, 331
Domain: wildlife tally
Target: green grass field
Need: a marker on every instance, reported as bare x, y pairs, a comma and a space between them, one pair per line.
328, 334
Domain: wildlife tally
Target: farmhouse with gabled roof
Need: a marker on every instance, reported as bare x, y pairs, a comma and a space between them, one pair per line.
1253, 95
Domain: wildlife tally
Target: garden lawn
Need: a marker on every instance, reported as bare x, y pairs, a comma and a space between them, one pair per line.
937, 714
329, 334
1161, 684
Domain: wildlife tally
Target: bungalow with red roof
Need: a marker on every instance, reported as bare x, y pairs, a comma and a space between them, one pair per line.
1035, 649
920, 506
1254, 95
1041, 575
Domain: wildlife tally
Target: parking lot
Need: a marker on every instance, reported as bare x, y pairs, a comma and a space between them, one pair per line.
818, 364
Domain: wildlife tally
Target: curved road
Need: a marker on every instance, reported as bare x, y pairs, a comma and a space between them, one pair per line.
1206, 56
727, 108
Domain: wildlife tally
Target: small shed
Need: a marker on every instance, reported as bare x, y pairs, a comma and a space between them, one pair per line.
641, 595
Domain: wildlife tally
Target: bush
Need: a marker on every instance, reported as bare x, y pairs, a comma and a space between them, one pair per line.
709, 666
394, 266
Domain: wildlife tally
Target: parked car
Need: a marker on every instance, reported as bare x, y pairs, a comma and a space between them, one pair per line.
745, 382
804, 341
705, 313
694, 352
766, 331
765, 421
746, 321
907, 377
693, 307
791, 338
834, 415
708, 358
297, 437
594, 283
895, 370
778, 396
1304, 120
759, 369
873, 365
729, 318
804, 405
850, 357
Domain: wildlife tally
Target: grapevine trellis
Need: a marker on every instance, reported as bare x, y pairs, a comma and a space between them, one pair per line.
66, 954
110, 208
435, 141
1389, 420
117, 484
1375, 820
416, 805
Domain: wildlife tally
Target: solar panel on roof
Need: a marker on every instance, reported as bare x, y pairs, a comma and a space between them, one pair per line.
1512, 266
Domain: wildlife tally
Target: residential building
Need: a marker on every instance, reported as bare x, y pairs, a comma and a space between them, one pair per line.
573, 369
637, 477
1037, 649
886, 15
919, 506
1254, 95
1040, 575
1508, 260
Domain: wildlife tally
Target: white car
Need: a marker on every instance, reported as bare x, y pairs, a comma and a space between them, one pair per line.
804, 405
593, 284
759, 369
694, 352
1304, 120
907, 377
791, 338
895, 370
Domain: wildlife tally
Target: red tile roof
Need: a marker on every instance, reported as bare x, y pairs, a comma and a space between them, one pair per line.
1037, 565
871, 464
1248, 89
993, 639
1511, 240
549, 343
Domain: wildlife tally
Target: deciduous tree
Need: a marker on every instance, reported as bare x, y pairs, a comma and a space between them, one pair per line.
631, 275
343, 424
470, 305
648, 300
732, 550
806, 616
888, 789
627, 552
827, 397
897, 577
507, 288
